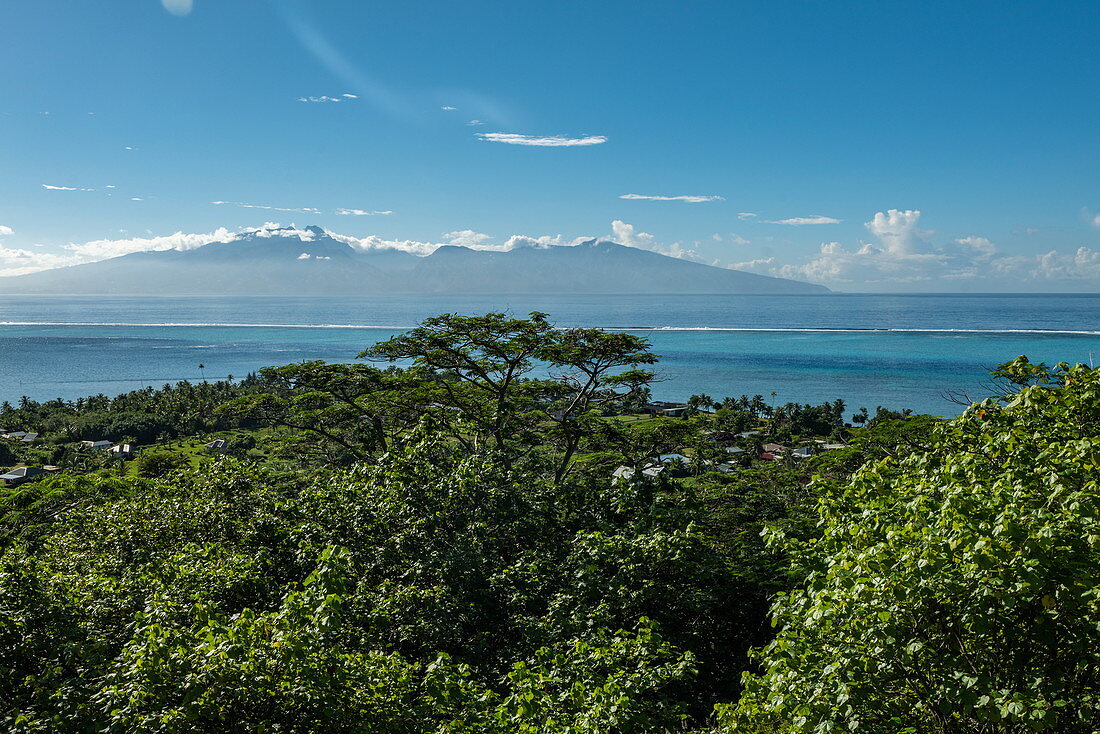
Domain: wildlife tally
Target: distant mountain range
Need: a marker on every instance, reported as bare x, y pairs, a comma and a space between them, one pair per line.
281, 263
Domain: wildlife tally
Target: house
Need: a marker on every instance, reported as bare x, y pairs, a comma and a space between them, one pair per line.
767, 456
667, 409
747, 434
735, 450
29, 438
626, 473
15, 434
774, 448
96, 445
22, 474
834, 446
123, 451
217, 443
721, 468
669, 458
803, 452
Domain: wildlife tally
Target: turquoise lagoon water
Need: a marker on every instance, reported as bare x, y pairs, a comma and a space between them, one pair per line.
870, 350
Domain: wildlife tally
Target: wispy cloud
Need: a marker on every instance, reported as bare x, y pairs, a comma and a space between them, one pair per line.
298, 209
799, 221
551, 141
746, 215
361, 213
448, 108
682, 197
177, 7
59, 188
5, 231
345, 97
475, 123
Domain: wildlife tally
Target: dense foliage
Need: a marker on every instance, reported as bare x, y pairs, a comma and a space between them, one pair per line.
955, 589
463, 539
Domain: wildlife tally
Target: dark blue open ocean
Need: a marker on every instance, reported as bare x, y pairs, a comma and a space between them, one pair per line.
870, 350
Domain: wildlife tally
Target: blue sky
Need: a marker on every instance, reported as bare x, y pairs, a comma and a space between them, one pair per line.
956, 147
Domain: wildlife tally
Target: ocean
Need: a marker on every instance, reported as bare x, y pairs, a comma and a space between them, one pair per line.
898, 351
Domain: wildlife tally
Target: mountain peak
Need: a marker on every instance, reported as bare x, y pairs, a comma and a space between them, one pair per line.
310, 261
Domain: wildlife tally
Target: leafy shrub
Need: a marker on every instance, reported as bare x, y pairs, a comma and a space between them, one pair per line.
954, 590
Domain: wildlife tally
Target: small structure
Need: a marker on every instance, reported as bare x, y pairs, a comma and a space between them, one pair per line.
803, 452
626, 473
217, 443
123, 451
29, 437
15, 434
774, 448
96, 445
834, 446
735, 450
721, 467
747, 434
667, 409
23, 474
767, 456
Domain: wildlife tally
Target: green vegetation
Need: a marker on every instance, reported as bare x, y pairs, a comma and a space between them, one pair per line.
436, 543
955, 589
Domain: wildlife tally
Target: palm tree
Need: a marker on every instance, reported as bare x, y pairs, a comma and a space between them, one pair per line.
202, 371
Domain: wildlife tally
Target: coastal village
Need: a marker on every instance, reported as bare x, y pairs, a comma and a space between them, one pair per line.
725, 452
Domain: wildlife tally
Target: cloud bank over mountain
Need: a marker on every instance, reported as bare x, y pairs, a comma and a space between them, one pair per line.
898, 253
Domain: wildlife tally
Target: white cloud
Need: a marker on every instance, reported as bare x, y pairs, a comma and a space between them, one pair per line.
981, 247
627, 234
59, 188
764, 264
746, 215
15, 261
902, 253
897, 230
448, 108
552, 141
5, 231
1083, 264
304, 256
361, 212
136, 198
473, 240
325, 98
299, 209
466, 237
475, 123
177, 7
682, 197
102, 249
1096, 220
799, 221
